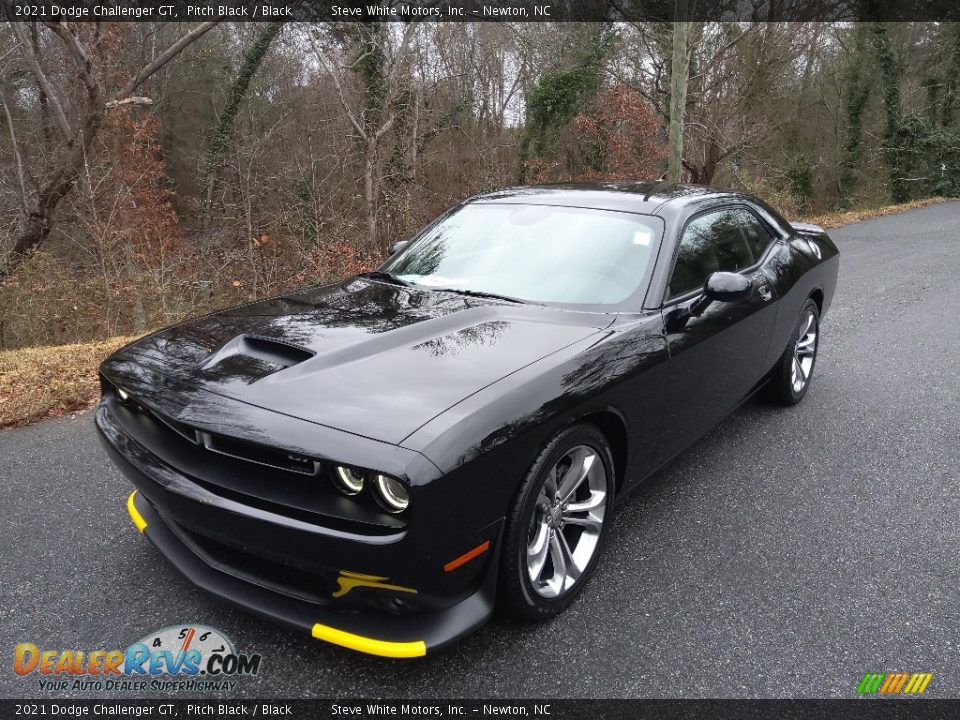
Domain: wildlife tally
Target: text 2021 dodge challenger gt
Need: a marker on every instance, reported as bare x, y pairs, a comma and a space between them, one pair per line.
377, 461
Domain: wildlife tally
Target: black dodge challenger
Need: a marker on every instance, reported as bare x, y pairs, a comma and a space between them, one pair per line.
378, 462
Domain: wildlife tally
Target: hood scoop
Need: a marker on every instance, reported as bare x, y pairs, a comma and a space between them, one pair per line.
251, 358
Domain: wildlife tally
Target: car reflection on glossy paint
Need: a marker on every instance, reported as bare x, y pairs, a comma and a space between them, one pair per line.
381, 461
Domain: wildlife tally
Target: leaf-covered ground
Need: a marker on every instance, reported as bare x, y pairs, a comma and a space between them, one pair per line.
836, 219
44, 382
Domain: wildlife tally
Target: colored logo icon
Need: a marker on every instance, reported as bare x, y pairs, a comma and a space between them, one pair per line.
894, 683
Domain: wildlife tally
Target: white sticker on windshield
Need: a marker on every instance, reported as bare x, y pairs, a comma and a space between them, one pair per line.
642, 237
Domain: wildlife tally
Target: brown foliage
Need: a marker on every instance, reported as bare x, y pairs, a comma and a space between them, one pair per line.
620, 137
128, 206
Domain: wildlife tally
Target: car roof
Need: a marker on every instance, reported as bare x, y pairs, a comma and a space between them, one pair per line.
638, 197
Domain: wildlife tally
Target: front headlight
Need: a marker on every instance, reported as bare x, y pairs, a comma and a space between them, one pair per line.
391, 494
348, 481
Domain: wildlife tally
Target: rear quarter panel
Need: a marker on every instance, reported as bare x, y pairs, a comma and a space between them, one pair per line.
799, 274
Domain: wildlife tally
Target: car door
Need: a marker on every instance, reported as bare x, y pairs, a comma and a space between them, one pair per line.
717, 358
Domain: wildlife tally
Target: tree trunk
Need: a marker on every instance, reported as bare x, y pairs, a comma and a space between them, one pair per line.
890, 72
61, 179
41, 93
370, 191
952, 80
39, 219
220, 140
703, 174
857, 91
678, 94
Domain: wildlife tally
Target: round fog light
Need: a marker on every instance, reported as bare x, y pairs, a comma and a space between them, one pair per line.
393, 496
349, 482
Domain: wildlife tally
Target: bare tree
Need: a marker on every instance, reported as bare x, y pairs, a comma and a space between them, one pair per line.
65, 169
14, 145
372, 116
63, 125
220, 140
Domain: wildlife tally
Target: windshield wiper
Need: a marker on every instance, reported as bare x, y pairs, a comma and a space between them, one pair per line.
384, 276
481, 294
393, 279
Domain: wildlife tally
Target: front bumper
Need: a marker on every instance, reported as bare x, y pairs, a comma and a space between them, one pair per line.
373, 633
413, 611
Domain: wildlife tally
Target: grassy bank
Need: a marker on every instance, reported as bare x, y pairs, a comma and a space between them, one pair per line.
836, 219
44, 382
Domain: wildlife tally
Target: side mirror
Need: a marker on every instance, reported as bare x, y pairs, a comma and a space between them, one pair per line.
722, 287
397, 247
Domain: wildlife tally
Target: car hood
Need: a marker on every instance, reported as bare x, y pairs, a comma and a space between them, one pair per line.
367, 357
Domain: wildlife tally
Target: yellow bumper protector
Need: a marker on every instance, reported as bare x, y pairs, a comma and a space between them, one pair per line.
347, 581
383, 648
135, 514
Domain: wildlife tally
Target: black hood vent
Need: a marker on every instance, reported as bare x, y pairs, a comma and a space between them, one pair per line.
269, 355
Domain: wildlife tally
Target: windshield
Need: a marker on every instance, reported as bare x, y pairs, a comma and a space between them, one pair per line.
537, 253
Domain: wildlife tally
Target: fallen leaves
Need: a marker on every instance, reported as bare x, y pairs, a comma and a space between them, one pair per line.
836, 219
43, 382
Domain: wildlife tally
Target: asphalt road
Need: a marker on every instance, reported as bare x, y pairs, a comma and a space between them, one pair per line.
786, 554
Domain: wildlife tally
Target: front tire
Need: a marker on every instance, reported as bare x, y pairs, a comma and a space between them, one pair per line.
558, 524
794, 370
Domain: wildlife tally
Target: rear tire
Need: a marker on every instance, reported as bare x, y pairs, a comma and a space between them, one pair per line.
557, 525
793, 372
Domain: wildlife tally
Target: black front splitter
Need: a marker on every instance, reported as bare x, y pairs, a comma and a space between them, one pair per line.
375, 633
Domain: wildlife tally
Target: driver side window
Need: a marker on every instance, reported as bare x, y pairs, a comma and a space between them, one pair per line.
710, 243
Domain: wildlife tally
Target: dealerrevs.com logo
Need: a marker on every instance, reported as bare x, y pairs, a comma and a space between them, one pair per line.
186, 657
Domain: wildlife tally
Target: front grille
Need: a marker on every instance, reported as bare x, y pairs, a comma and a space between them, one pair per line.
225, 445
241, 449
184, 431
268, 478
315, 587
259, 454
276, 576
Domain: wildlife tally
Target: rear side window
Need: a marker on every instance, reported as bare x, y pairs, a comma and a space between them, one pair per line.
754, 231
772, 217
711, 243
